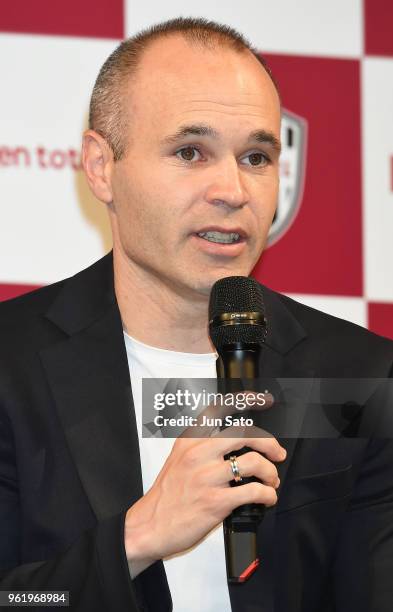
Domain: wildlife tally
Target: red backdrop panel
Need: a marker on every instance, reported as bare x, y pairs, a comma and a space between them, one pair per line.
321, 253
380, 319
378, 27
10, 291
103, 19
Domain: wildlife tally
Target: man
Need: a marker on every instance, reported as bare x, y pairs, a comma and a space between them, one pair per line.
183, 150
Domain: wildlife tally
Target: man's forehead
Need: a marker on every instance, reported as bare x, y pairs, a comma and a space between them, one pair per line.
213, 118
189, 86
188, 93
175, 62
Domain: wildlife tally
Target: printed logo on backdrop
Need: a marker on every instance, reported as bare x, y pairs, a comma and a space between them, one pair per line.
292, 174
40, 157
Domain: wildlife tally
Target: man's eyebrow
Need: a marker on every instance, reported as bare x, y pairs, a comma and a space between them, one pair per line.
196, 129
200, 129
264, 136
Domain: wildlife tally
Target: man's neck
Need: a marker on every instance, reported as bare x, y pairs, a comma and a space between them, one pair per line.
157, 315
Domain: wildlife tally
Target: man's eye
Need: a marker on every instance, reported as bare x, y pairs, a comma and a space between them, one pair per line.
187, 153
257, 159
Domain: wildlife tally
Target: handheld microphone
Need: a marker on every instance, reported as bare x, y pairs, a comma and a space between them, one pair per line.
237, 327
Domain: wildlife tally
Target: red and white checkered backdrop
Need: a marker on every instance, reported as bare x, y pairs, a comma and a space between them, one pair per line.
331, 245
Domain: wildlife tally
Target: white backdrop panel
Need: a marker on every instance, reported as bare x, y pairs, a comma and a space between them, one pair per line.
44, 103
377, 96
349, 308
303, 27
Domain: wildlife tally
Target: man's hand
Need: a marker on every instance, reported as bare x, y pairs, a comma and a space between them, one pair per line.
192, 494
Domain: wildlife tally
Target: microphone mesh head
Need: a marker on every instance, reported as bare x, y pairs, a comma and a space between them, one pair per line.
236, 294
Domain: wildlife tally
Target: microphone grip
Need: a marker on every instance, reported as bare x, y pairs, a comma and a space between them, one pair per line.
237, 370
240, 533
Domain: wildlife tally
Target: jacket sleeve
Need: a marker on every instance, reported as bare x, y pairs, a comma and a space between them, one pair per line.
94, 569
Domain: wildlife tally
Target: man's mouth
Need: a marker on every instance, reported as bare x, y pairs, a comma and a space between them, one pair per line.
220, 237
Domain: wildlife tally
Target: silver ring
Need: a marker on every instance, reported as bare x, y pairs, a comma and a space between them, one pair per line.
235, 468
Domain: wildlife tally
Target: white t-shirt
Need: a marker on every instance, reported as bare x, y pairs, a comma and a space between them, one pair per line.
197, 577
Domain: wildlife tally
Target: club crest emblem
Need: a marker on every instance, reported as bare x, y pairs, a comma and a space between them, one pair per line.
292, 173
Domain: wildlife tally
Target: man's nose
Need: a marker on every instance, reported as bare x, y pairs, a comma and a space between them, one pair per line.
227, 185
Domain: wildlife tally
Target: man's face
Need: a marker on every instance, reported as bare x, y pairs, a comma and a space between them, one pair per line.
197, 207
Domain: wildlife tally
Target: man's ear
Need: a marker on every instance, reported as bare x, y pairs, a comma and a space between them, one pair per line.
97, 159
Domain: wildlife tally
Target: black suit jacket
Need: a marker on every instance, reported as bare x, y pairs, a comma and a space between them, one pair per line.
70, 469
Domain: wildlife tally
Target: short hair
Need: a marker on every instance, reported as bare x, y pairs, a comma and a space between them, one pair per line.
107, 115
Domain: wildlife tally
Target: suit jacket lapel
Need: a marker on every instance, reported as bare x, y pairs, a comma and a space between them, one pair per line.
89, 378
283, 335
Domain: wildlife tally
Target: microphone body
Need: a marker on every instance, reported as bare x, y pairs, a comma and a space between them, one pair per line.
237, 328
